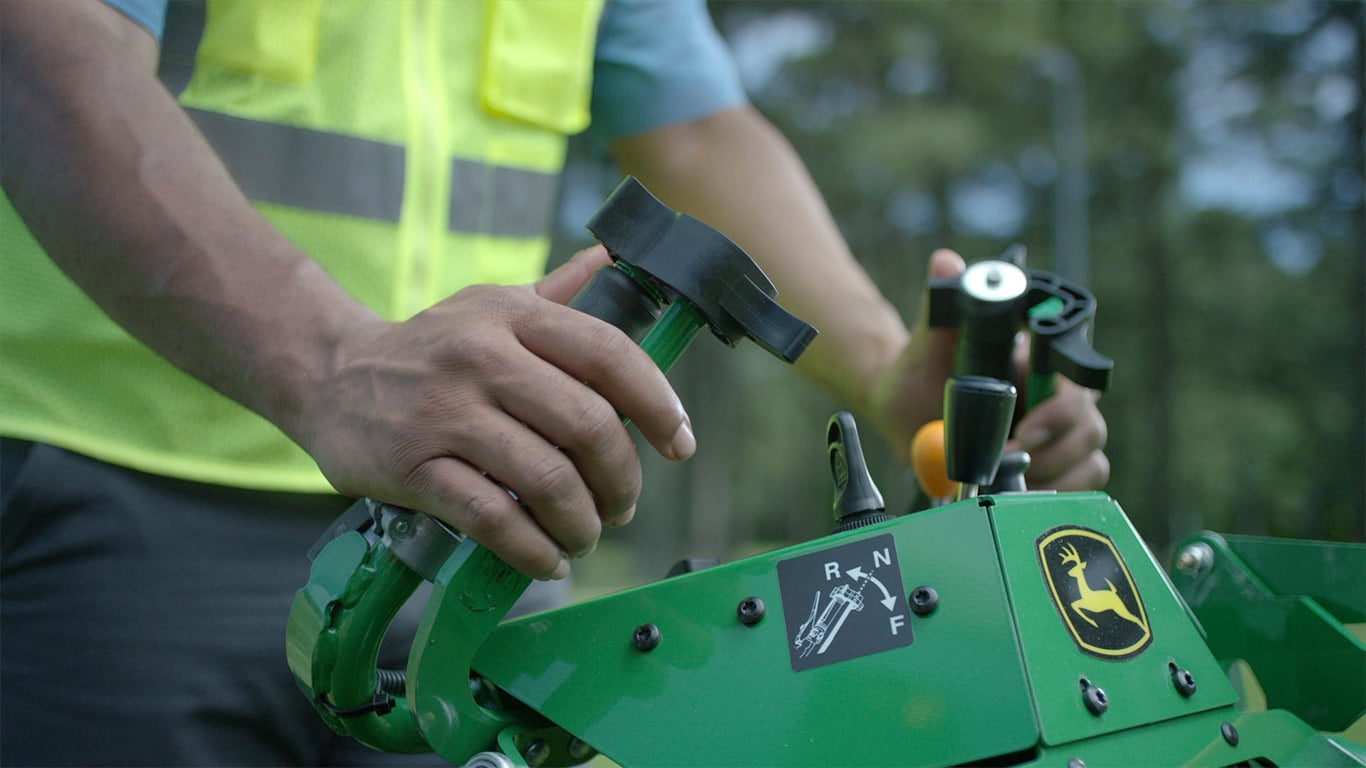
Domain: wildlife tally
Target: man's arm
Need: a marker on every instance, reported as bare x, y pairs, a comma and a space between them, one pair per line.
131, 203
735, 171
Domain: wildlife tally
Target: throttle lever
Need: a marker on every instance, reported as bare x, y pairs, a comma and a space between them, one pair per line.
995, 299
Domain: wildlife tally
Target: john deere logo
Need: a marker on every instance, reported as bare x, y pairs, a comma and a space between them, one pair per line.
1093, 592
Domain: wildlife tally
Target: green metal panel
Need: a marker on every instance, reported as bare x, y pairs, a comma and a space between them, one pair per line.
1138, 684
1333, 573
718, 692
1303, 656
1198, 741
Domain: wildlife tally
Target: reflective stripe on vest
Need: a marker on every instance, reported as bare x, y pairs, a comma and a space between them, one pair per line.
334, 173
451, 173
347, 175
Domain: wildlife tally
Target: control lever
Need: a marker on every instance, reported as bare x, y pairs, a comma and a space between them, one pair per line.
994, 300
989, 304
977, 414
857, 499
672, 276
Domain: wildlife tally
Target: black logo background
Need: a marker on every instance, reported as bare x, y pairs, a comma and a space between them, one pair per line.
1105, 624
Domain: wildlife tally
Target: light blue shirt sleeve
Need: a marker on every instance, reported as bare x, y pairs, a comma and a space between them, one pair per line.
150, 14
659, 62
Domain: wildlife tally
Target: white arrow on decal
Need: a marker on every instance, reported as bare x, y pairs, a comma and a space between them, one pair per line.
887, 599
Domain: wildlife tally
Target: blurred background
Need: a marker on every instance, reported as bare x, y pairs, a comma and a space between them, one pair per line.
1197, 164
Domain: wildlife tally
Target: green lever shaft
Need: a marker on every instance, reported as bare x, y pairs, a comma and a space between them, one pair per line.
671, 335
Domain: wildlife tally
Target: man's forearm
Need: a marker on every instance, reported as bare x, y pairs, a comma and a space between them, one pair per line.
131, 203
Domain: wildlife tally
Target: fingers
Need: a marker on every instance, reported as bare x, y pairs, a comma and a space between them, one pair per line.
499, 412
587, 431
1065, 437
548, 428
562, 284
938, 343
465, 498
611, 364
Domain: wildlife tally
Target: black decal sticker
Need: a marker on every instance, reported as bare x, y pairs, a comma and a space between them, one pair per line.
844, 602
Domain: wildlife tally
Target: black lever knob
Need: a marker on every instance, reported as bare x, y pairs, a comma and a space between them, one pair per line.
682, 258
857, 499
977, 414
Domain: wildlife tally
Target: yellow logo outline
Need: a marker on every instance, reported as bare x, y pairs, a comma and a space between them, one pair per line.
1093, 602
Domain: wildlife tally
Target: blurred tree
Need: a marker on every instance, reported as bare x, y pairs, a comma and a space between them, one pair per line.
1199, 164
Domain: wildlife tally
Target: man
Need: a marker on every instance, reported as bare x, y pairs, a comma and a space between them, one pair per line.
325, 222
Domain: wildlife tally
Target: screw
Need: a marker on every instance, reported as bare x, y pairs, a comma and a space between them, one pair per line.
646, 637
751, 611
1230, 734
924, 600
401, 527
1182, 679
1075, 762
579, 750
1094, 698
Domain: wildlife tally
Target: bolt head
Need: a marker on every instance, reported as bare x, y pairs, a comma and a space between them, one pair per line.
580, 750
646, 637
751, 611
1095, 699
1184, 682
1195, 559
924, 599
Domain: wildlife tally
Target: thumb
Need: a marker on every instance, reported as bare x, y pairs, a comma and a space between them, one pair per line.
565, 281
936, 345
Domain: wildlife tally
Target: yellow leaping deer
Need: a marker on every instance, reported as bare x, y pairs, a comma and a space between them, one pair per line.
1093, 600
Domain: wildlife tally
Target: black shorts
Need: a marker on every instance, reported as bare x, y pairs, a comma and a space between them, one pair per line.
142, 619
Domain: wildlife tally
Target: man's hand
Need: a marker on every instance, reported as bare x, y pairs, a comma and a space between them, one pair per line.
498, 390
1064, 435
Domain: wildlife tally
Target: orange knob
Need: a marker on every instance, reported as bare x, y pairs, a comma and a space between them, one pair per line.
927, 456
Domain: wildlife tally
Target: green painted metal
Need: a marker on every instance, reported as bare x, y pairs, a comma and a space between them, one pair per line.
1139, 688
1282, 606
718, 692
335, 627
471, 594
1197, 741
671, 334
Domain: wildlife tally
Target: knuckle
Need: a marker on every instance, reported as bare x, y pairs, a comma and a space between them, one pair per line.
595, 425
609, 350
1101, 469
551, 482
624, 492
483, 515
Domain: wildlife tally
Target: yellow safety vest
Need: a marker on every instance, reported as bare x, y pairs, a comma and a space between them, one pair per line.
413, 148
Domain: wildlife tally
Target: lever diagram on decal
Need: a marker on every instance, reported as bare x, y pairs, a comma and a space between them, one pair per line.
832, 613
